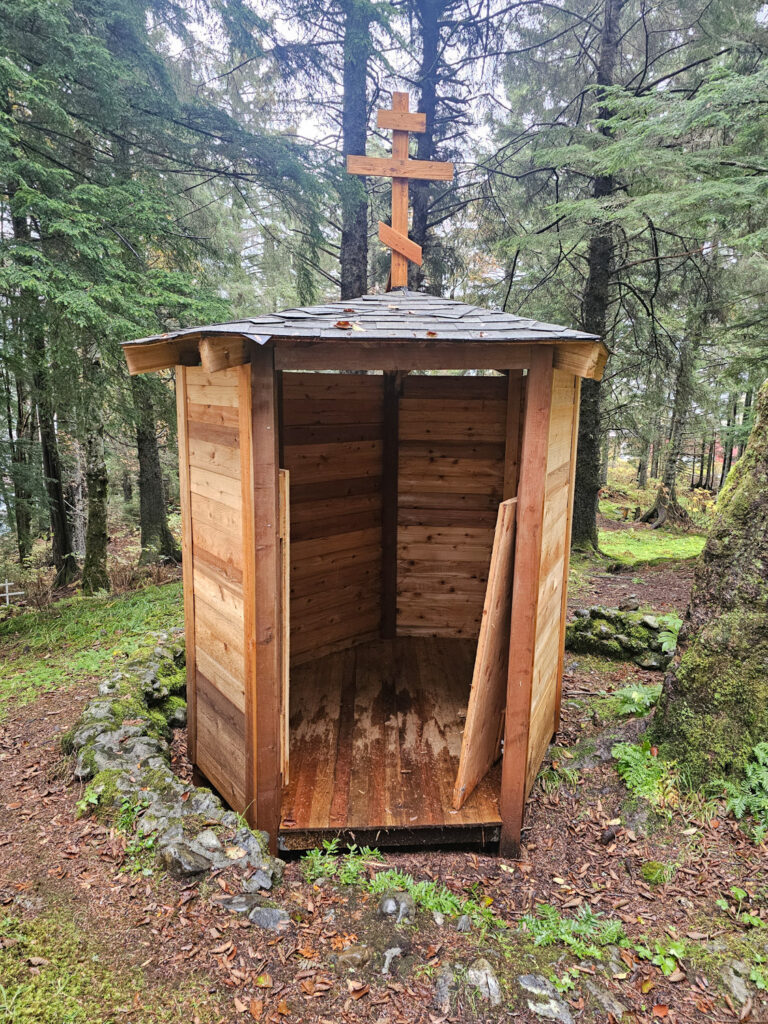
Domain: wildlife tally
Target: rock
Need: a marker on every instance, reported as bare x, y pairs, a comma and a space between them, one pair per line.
209, 841
204, 803
229, 819
464, 923
651, 660
354, 957
400, 903
445, 986
606, 999
389, 956
239, 904
273, 919
258, 880
182, 861
546, 1002
650, 621
438, 918
178, 717
480, 975
629, 604
734, 983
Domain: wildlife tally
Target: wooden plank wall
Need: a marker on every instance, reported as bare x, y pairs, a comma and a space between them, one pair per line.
451, 479
332, 446
209, 421
553, 573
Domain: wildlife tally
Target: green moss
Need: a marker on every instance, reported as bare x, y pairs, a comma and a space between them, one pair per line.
656, 873
717, 710
85, 976
81, 638
102, 795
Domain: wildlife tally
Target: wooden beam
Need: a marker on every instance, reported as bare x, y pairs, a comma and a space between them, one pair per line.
525, 595
161, 355
401, 121
407, 355
261, 591
514, 433
583, 358
429, 170
221, 353
186, 559
398, 275
569, 524
389, 491
285, 622
400, 243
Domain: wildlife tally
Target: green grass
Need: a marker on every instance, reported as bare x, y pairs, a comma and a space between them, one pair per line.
636, 547
79, 638
53, 971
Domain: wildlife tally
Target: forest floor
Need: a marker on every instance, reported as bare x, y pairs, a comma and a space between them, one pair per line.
637, 912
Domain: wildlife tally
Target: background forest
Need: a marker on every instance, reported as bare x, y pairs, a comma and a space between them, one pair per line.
170, 163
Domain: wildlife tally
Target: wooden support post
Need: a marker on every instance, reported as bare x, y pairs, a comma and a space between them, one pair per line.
186, 559
261, 591
525, 595
389, 486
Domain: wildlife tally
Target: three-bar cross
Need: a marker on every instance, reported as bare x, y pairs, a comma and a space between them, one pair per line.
400, 169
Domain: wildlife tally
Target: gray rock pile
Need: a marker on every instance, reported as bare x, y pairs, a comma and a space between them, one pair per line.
623, 635
121, 747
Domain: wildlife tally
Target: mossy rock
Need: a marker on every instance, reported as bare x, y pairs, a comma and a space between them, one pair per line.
621, 636
714, 709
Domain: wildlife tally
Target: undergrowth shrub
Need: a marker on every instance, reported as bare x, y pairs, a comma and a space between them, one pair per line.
749, 796
635, 700
645, 775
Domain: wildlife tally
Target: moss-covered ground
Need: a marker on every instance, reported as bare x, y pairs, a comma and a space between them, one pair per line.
80, 638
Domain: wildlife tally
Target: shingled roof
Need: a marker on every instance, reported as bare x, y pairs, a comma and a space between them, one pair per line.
399, 315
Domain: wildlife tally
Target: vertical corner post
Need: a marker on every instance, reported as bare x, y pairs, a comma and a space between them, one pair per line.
261, 589
564, 604
525, 594
186, 559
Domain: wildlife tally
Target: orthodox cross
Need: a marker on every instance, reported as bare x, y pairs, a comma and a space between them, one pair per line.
400, 169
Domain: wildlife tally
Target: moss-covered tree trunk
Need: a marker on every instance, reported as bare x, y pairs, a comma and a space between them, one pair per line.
714, 708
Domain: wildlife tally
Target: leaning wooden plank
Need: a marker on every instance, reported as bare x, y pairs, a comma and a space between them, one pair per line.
225, 352
530, 515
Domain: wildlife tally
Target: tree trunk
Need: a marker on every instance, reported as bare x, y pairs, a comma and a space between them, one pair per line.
95, 565
710, 478
727, 442
642, 464
20, 438
157, 543
745, 420
595, 301
354, 124
76, 497
666, 497
428, 13
714, 707
127, 485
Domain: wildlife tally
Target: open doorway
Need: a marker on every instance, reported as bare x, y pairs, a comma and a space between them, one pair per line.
395, 488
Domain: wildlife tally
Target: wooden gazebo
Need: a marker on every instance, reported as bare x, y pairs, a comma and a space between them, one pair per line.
376, 542
375, 563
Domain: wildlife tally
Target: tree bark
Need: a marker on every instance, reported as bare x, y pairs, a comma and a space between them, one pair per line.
95, 575
595, 302
714, 707
428, 13
642, 464
354, 125
157, 542
20, 438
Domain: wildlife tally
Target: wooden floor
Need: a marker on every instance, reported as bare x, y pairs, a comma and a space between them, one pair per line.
375, 741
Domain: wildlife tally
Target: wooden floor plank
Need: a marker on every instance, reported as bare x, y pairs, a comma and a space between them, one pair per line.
375, 742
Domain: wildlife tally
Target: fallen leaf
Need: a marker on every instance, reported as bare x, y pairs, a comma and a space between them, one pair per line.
37, 961
256, 1008
647, 985
660, 1010
240, 1005
697, 935
282, 1008
431, 334
677, 975
263, 981
343, 325
358, 989
234, 852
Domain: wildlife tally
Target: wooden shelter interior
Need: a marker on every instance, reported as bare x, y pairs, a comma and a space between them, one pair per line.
395, 486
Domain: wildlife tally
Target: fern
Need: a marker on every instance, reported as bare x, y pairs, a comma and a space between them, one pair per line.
749, 796
636, 700
584, 934
645, 775
670, 628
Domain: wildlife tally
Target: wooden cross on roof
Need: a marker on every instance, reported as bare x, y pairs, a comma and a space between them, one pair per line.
400, 169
